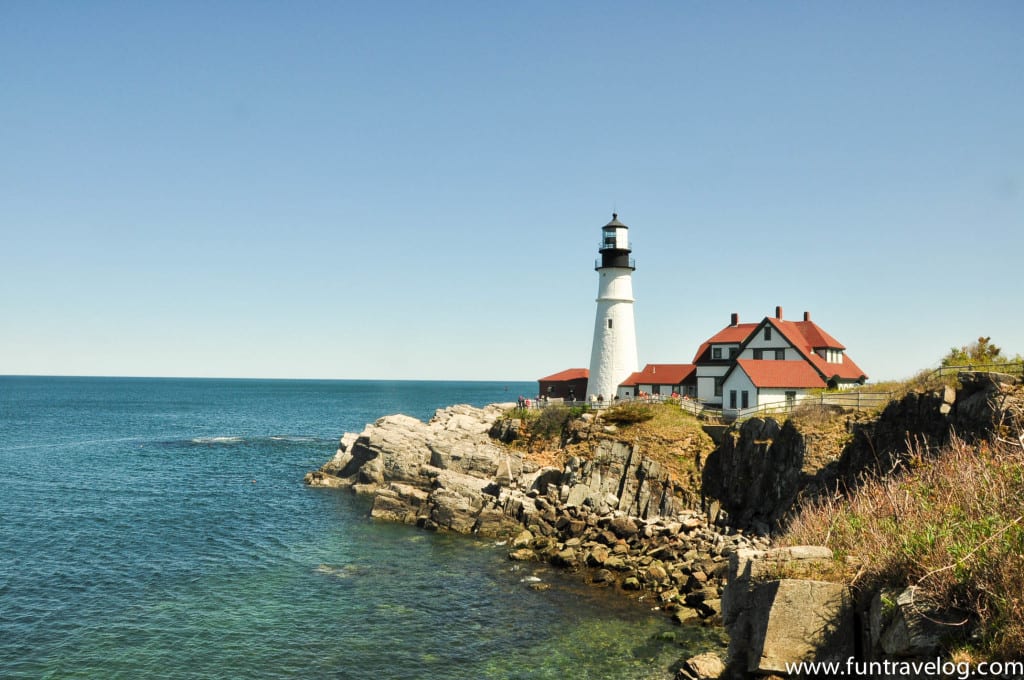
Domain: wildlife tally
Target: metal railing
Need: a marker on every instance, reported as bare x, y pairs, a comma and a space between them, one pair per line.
851, 401
1011, 368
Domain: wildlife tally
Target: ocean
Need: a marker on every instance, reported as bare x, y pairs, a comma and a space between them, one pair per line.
159, 528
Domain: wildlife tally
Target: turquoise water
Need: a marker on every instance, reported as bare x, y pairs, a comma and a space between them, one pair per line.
160, 528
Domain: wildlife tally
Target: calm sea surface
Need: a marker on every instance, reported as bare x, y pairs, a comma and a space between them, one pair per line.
159, 528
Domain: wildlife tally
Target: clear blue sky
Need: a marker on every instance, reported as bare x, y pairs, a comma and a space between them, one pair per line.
416, 189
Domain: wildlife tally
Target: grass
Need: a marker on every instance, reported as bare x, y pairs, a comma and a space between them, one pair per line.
952, 525
629, 412
660, 431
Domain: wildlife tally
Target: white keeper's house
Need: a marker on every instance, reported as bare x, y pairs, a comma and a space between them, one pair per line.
774, 361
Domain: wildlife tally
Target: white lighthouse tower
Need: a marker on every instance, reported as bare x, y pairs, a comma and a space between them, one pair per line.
613, 356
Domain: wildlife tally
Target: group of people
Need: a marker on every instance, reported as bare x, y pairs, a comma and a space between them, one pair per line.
526, 402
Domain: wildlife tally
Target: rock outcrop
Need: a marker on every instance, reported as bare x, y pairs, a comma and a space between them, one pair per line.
615, 516
452, 473
756, 472
760, 468
921, 422
775, 617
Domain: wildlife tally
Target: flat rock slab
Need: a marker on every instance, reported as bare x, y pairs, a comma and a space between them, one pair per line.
796, 620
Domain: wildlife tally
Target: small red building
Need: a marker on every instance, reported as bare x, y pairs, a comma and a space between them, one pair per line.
570, 384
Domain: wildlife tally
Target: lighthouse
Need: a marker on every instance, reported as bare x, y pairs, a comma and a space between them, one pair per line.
613, 355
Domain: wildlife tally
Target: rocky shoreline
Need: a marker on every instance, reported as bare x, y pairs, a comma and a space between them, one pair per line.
615, 518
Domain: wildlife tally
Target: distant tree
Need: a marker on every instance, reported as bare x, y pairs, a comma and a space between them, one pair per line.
979, 352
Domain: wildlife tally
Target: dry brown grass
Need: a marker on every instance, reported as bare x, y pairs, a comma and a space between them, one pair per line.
953, 525
670, 436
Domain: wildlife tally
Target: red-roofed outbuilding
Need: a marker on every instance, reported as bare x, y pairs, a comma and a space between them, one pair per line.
661, 379
570, 384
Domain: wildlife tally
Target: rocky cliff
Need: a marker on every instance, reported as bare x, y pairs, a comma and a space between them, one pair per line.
451, 473
761, 467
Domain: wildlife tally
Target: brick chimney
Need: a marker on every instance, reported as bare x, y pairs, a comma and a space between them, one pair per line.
807, 316
778, 313
734, 320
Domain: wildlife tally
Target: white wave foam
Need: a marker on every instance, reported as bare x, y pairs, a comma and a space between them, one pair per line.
217, 440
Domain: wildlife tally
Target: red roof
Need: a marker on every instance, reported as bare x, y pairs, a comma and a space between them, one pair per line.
844, 371
770, 373
811, 333
732, 335
807, 336
661, 374
567, 374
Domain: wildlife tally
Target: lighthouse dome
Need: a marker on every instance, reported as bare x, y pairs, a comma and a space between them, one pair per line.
615, 222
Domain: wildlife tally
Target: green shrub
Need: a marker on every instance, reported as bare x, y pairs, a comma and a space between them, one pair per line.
551, 420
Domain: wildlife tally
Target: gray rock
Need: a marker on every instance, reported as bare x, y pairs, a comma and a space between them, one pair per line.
522, 555
685, 615
705, 666
793, 620
906, 623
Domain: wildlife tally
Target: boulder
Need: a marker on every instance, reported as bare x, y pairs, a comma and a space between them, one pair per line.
792, 620
907, 624
705, 666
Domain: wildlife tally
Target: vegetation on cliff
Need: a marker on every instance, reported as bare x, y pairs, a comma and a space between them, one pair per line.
951, 525
660, 431
947, 519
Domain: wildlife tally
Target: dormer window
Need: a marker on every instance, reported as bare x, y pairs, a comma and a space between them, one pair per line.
716, 352
832, 356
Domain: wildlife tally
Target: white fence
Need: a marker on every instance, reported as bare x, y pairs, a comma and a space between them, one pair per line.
850, 401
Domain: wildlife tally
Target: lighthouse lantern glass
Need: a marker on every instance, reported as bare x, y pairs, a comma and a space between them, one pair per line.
615, 237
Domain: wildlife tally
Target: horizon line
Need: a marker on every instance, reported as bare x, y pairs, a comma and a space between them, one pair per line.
226, 377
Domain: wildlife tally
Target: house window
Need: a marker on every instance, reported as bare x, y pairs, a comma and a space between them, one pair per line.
790, 398
733, 351
718, 386
759, 354
716, 353
732, 398
780, 354
609, 323
744, 399
767, 332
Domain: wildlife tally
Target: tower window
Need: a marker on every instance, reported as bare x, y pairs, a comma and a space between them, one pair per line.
609, 323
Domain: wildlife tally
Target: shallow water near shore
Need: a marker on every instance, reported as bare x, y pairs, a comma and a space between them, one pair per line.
160, 528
